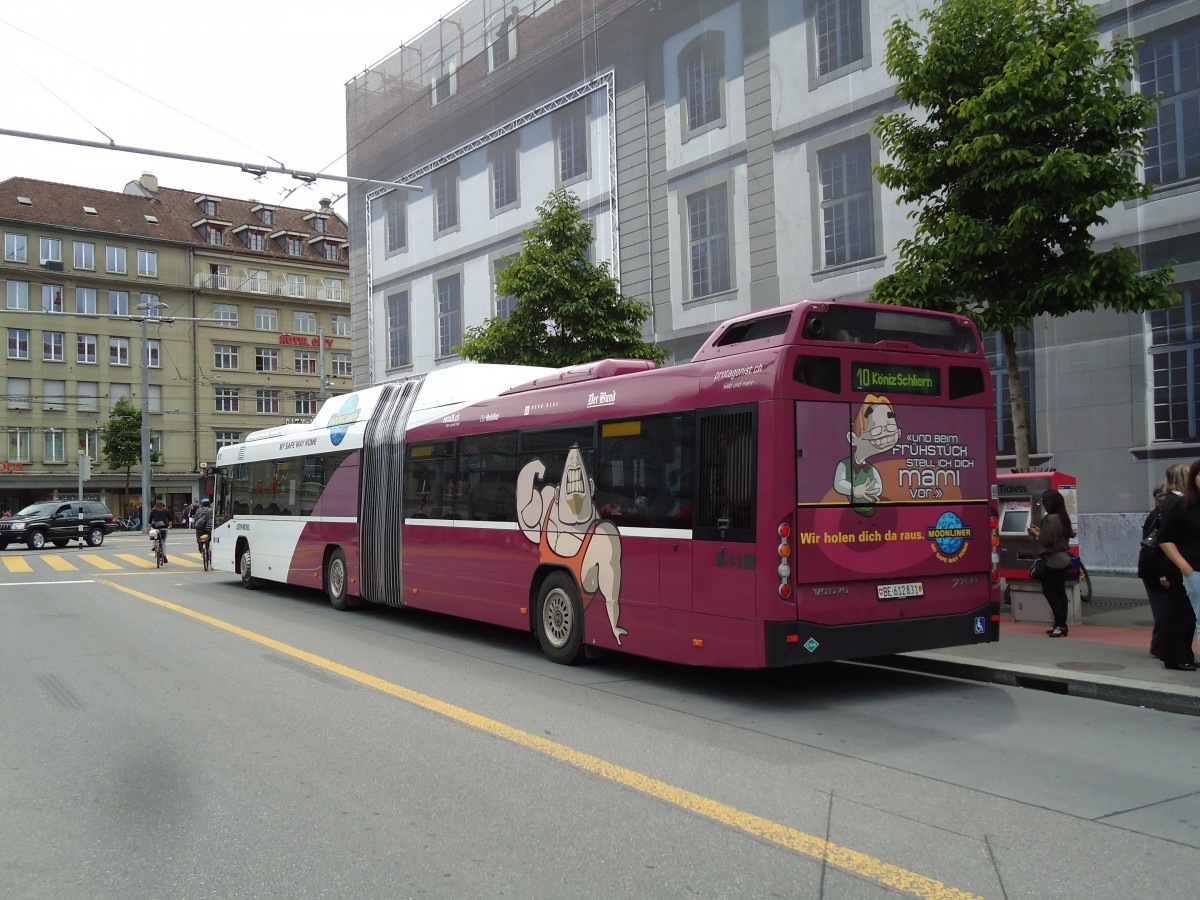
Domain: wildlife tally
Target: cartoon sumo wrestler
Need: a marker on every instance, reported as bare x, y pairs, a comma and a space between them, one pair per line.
873, 431
564, 523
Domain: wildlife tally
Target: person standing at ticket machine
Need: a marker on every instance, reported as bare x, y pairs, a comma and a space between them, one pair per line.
1053, 537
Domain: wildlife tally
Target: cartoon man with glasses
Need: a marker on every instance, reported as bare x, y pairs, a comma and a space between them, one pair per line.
873, 431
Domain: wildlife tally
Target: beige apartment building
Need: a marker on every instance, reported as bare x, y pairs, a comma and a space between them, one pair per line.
237, 310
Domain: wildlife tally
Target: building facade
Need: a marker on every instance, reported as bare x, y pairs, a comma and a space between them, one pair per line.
723, 152
237, 312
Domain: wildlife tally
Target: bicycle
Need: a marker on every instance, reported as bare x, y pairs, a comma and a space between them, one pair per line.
156, 546
202, 539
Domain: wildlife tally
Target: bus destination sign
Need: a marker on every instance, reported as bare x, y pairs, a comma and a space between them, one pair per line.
896, 379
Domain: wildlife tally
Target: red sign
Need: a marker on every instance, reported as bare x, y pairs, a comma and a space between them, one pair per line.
299, 340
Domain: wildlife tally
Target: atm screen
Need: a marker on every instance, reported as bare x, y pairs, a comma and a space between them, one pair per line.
1014, 521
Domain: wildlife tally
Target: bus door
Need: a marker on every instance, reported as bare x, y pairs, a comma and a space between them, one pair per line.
724, 560
892, 509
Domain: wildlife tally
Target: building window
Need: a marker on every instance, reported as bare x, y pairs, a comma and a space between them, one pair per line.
52, 299
571, 126
445, 199
114, 260
266, 216
1175, 358
210, 207
399, 348
340, 365
1169, 66
257, 281
331, 289
85, 348
15, 247
266, 359
227, 400
332, 251
54, 446
225, 315
85, 255
293, 246
18, 390
306, 403
504, 303
255, 240
304, 322
306, 362
266, 401
54, 393
89, 443
218, 276
118, 392
319, 225
87, 396
297, 285
118, 303
340, 326
708, 241
18, 343
228, 438
225, 356
449, 305
148, 263
149, 303
847, 202
838, 26
501, 37
443, 76
266, 319
18, 445
18, 295
701, 81
153, 353
506, 183
396, 221
118, 351
49, 250
53, 343
993, 346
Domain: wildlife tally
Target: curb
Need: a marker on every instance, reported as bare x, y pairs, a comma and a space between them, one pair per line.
1165, 698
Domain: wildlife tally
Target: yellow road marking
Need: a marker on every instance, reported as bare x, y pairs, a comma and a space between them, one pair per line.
59, 563
98, 561
17, 564
809, 845
140, 561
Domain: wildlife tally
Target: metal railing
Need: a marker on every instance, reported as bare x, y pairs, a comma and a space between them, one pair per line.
265, 287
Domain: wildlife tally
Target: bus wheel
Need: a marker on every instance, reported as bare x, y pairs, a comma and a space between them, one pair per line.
248, 581
559, 620
335, 581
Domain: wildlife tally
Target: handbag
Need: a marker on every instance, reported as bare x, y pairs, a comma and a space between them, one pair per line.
1038, 568
1150, 541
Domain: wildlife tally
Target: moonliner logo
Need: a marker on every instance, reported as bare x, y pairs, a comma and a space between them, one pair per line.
949, 537
340, 421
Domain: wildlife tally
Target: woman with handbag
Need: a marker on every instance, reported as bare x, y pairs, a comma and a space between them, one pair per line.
1053, 537
1163, 583
1179, 540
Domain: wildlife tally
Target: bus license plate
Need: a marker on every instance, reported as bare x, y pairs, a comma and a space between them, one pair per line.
895, 591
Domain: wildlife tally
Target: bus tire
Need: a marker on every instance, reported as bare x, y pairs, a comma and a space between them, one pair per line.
558, 619
336, 581
248, 581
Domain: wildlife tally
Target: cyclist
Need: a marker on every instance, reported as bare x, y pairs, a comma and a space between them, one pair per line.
160, 518
203, 522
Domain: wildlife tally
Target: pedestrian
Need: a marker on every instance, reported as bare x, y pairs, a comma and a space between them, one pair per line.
160, 518
1179, 539
1053, 538
1158, 574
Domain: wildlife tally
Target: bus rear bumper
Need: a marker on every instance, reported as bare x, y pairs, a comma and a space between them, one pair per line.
800, 642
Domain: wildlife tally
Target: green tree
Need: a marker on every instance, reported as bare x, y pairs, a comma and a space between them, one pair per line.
121, 440
568, 311
1022, 129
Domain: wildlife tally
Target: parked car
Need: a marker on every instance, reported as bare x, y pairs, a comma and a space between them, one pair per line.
58, 522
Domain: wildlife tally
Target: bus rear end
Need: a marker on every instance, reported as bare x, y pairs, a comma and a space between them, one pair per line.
889, 545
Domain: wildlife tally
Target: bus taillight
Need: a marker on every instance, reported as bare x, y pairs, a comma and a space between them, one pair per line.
995, 548
785, 550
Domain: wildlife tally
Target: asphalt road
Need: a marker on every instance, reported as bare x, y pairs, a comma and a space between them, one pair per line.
168, 734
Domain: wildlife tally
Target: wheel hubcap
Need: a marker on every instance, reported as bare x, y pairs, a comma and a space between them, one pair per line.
557, 619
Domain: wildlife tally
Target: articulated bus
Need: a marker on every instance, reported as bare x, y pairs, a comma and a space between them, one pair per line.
815, 485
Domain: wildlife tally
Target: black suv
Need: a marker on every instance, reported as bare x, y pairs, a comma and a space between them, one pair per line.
58, 522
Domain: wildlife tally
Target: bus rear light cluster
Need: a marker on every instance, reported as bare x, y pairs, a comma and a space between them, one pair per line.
785, 570
995, 549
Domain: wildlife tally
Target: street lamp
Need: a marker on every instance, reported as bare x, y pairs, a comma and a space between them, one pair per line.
148, 310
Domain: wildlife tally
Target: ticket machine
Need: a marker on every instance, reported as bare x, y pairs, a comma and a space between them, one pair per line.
1020, 505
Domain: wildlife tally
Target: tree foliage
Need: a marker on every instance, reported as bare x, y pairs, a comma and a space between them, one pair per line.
121, 439
568, 310
1023, 130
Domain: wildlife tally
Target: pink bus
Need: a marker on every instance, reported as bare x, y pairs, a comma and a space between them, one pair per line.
816, 484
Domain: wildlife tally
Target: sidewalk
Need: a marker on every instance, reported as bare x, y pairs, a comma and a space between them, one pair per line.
1105, 658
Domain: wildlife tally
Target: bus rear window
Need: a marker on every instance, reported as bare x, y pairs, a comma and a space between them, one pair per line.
866, 325
754, 330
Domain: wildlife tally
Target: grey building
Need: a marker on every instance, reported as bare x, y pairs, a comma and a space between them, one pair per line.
723, 151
